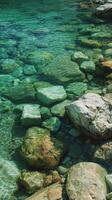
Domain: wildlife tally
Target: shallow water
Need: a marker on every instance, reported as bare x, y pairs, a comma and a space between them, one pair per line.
44, 25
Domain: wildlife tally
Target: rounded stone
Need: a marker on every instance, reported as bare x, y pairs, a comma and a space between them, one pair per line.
40, 150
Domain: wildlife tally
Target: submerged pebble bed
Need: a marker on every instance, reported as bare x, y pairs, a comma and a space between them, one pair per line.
49, 56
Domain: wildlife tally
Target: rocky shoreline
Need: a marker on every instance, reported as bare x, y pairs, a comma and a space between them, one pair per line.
56, 113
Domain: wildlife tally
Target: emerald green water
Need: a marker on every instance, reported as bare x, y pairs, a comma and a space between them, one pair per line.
54, 27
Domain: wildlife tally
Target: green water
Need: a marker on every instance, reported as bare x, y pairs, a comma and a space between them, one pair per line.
55, 27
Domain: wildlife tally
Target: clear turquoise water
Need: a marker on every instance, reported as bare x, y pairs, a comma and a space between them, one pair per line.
61, 23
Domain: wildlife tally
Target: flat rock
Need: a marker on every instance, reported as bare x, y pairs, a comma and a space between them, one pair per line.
86, 181
92, 114
31, 115
53, 192
62, 70
51, 95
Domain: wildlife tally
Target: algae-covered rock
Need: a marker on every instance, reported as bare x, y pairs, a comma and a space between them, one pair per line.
31, 115
79, 57
45, 112
52, 192
88, 67
92, 114
53, 124
63, 70
90, 43
59, 109
8, 65
9, 174
32, 181
23, 92
76, 89
29, 70
39, 58
86, 180
40, 150
104, 152
51, 95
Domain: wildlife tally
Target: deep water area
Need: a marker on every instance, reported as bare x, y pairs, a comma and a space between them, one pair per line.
38, 39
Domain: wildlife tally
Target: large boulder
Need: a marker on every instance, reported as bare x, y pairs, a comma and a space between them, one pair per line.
86, 181
53, 192
63, 70
40, 150
92, 114
9, 175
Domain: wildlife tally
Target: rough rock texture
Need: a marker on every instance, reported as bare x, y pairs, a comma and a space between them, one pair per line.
31, 115
51, 95
40, 150
62, 70
9, 175
32, 181
104, 152
53, 192
105, 10
93, 114
86, 181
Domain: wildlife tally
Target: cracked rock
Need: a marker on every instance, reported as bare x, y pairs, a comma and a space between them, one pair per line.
92, 114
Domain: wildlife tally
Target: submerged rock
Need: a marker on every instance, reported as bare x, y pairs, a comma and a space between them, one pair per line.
104, 152
53, 124
79, 57
75, 90
88, 67
59, 109
9, 174
32, 181
8, 65
51, 95
93, 115
31, 115
86, 181
40, 150
63, 70
104, 10
53, 192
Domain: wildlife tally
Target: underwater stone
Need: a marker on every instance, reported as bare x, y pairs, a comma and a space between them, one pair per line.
109, 181
108, 52
88, 67
31, 115
8, 65
29, 70
79, 57
75, 90
90, 43
9, 174
39, 58
45, 112
92, 114
86, 180
52, 192
53, 124
40, 150
32, 181
59, 109
63, 70
23, 92
51, 95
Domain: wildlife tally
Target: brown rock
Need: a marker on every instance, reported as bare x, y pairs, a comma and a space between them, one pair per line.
53, 192
86, 181
107, 64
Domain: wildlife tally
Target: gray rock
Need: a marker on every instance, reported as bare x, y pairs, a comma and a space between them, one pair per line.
92, 114
45, 112
86, 181
51, 95
29, 70
31, 115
